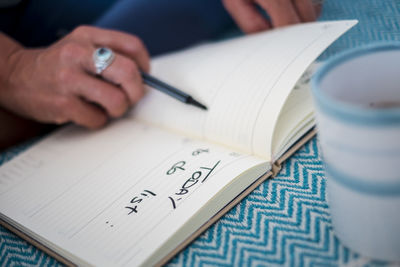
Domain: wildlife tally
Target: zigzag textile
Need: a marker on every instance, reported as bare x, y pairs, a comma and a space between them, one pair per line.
286, 220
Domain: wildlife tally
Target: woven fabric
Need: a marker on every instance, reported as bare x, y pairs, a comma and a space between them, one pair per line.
286, 220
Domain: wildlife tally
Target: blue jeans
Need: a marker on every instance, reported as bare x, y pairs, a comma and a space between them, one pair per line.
163, 25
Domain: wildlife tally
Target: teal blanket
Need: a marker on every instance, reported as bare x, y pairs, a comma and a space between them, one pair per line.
286, 220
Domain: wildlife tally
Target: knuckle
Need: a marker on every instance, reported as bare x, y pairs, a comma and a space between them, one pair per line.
64, 75
136, 46
81, 31
136, 43
70, 50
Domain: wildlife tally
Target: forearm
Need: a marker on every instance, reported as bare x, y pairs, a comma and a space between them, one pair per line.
8, 47
58, 84
13, 128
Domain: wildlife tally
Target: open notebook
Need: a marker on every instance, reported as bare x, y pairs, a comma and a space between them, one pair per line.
137, 191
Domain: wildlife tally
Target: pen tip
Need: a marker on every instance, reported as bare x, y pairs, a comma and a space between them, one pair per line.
196, 103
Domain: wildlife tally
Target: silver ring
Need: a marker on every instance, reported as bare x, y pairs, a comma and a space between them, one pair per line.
102, 58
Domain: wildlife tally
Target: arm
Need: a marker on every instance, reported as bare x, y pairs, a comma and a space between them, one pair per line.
7, 48
13, 128
58, 84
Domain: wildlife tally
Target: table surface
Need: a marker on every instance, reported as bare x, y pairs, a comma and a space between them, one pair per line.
286, 220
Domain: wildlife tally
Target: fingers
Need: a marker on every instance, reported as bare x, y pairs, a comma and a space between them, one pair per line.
57, 84
109, 97
125, 44
89, 103
125, 73
122, 74
248, 18
281, 12
63, 109
317, 8
86, 114
306, 10
121, 87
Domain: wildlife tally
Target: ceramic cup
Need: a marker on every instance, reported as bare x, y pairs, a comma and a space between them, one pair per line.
357, 100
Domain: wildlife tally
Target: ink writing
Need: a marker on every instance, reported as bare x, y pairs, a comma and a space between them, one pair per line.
199, 176
136, 200
199, 151
177, 166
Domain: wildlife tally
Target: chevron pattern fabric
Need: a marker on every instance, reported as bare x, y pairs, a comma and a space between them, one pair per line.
286, 220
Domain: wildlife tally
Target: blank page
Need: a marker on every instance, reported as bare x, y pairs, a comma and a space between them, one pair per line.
244, 83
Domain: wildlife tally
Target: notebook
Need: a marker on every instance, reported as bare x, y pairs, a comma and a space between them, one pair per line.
139, 190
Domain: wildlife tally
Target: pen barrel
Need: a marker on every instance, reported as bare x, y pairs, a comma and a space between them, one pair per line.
165, 88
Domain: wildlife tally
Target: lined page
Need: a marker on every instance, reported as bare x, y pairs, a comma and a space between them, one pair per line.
243, 82
100, 195
296, 113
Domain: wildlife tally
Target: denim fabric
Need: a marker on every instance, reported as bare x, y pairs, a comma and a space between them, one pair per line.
168, 25
163, 25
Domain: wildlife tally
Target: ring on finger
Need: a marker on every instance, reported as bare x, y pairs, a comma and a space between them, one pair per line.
102, 58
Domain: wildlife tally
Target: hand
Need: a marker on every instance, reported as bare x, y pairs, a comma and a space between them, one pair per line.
58, 84
281, 13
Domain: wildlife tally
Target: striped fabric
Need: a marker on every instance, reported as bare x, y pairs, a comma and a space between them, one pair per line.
285, 221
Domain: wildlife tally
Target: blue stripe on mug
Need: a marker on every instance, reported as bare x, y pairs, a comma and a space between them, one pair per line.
392, 152
379, 187
346, 112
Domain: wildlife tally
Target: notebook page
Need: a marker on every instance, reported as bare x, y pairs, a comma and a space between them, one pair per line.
243, 82
300, 102
100, 195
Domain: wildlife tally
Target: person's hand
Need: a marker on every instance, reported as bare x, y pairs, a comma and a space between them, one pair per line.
247, 14
58, 84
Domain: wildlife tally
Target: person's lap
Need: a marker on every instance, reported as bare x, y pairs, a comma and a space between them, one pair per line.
162, 25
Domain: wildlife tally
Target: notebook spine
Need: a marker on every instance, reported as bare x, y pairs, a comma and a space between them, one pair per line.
276, 168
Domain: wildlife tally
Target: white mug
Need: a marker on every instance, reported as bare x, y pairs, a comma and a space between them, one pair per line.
357, 99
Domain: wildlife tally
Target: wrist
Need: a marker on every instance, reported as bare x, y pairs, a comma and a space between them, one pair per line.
9, 50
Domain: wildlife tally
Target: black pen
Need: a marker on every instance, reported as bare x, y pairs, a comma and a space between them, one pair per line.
169, 90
